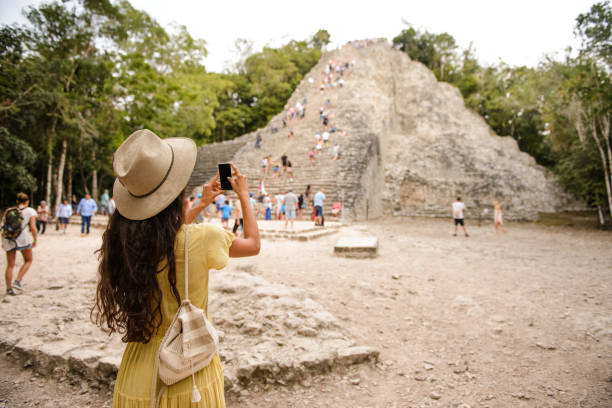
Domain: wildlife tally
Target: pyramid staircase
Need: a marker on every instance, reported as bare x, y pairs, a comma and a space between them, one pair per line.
323, 173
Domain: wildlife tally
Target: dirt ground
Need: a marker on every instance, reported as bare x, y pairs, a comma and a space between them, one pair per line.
522, 319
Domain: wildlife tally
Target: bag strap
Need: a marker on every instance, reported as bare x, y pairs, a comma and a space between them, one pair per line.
155, 401
186, 264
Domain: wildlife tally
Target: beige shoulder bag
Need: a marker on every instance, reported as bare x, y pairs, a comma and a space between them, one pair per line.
189, 345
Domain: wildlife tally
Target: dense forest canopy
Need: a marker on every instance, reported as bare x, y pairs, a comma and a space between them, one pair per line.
84, 74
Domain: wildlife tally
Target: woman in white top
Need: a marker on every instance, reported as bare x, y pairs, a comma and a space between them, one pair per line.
42, 217
24, 242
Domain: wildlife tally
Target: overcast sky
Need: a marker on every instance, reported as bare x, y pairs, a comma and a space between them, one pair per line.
519, 32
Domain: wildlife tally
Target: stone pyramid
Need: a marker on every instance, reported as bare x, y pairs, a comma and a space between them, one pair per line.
410, 146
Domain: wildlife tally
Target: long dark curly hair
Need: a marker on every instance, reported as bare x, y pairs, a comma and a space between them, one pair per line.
133, 253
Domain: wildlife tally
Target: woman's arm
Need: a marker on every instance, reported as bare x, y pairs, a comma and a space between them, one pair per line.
33, 230
209, 191
250, 244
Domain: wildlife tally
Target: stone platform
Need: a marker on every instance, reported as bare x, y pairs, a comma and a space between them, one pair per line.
273, 229
357, 247
270, 333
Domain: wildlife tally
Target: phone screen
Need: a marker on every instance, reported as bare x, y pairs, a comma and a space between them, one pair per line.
225, 171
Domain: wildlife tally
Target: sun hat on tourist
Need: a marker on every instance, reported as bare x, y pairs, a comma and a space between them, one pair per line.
151, 172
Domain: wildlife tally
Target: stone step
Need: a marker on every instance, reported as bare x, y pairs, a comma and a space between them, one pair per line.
301, 236
357, 247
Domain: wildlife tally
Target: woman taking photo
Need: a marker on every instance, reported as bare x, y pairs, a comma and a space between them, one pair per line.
142, 260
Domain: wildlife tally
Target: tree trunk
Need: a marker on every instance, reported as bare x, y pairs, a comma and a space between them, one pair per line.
604, 162
605, 130
51, 138
60, 176
49, 179
600, 215
69, 182
94, 177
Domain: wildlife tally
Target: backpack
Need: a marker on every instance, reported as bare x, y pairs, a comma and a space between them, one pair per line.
12, 223
189, 345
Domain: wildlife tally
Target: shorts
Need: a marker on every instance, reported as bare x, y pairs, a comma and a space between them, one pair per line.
290, 213
459, 221
21, 248
224, 219
63, 220
318, 211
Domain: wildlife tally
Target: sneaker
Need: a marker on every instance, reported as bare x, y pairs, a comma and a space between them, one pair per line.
10, 292
17, 285
467, 235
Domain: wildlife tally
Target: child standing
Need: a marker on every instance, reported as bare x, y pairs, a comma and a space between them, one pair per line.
226, 211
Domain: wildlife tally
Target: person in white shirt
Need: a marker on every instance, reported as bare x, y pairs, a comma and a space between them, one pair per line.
458, 210
325, 138
24, 243
63, 214
111, 206
290, 201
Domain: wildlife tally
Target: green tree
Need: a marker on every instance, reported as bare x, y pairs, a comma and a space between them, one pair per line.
320, 39
590, 88
595, 30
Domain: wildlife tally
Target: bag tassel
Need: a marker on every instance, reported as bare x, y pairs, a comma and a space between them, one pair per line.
195, 393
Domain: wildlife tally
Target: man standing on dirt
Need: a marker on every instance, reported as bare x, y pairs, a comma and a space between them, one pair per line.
86, 209
458, 209
319, 198
291, 201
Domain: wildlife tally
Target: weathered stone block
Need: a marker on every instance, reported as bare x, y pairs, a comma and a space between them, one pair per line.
357, 247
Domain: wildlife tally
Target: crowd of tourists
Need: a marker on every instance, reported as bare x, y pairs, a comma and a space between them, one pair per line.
273, 206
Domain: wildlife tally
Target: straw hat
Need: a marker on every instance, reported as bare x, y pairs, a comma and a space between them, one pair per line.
151, 172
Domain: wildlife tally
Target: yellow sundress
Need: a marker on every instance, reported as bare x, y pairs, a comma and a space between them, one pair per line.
208, 249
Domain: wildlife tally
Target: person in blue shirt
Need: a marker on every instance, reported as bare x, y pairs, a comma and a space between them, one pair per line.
87, 207
226, 211
253, 202
104, 202
319, 198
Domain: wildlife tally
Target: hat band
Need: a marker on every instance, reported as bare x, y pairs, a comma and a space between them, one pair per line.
161, 182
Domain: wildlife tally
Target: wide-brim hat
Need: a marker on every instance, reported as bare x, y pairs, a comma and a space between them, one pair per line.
151, 172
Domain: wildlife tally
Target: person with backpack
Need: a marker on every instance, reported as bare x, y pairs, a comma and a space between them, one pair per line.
147, 250
18, 234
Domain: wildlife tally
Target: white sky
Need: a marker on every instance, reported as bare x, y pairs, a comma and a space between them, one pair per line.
519, 32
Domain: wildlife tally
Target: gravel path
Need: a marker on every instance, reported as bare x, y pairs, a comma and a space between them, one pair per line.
521, 319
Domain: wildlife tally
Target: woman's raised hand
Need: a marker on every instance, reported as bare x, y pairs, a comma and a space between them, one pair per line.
210, 190
239, 182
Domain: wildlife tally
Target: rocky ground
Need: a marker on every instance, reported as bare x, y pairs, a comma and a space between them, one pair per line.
520, 319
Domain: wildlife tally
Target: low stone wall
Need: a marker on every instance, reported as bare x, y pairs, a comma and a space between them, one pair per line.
270, 333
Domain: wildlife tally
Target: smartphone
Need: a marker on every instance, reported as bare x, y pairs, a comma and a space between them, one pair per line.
225, 171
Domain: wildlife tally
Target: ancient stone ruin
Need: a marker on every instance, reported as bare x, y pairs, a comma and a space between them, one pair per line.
410, 146
269, 333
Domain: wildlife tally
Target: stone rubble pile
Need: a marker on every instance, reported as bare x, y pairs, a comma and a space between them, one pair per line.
270, 333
